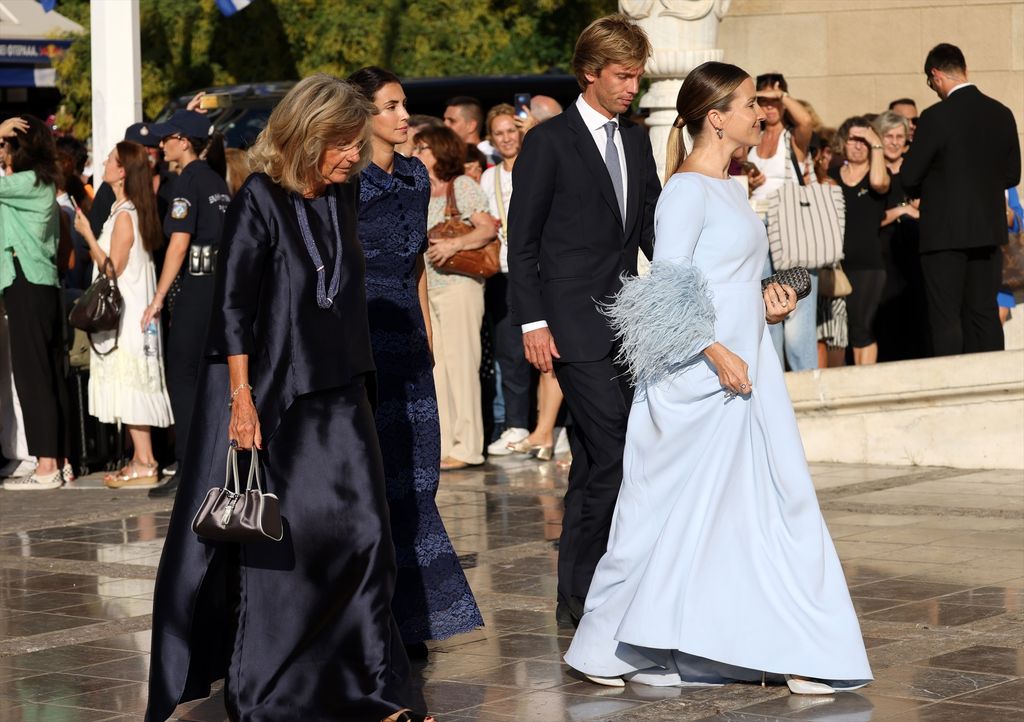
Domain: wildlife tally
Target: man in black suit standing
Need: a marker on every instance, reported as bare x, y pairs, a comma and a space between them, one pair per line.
585, 189
965, 154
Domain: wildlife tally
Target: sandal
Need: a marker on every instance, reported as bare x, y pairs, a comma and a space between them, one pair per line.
450, 464
407, 715
133, 475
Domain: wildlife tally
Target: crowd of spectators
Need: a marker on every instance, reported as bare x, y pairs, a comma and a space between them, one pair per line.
490, 400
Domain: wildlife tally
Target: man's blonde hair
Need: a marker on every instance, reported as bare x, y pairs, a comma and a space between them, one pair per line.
611, 39
318, 112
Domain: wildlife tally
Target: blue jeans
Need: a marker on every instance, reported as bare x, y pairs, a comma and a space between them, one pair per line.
796, 338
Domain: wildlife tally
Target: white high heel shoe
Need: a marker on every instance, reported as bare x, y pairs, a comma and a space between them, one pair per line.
606, 681
798, 685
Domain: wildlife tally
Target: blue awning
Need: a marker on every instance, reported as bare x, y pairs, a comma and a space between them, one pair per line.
27, 76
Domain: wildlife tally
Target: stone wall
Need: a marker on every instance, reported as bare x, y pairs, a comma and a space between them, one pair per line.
853, 56
960, 411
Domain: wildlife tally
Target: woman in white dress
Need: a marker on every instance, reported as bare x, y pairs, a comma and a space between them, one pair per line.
719, 566
126, 367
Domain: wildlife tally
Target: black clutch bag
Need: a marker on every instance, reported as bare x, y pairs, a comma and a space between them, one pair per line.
232, 515
796, 278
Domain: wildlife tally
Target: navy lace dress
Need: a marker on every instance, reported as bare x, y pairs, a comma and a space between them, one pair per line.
432, 597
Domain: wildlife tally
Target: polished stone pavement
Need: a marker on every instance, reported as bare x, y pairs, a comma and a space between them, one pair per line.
934, 558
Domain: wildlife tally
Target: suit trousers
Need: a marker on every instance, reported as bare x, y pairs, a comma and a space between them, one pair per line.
508, 352
961, 287
35, 318
598, 395
456, 312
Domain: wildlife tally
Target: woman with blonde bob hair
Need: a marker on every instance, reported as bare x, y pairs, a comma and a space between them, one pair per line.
299, 628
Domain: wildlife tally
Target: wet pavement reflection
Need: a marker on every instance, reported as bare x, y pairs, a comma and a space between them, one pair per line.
938, 586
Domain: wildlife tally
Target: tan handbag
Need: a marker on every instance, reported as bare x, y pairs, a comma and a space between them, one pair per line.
833, 282
478, 263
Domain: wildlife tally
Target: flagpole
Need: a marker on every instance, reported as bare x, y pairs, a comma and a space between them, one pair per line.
116, 74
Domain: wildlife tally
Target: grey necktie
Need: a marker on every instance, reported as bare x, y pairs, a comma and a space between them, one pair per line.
611, 160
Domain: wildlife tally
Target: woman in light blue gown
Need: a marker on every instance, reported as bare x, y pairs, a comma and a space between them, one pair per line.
719, 566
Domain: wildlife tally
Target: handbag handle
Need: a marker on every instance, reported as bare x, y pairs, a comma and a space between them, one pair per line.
452, 207
231, 472
110, 274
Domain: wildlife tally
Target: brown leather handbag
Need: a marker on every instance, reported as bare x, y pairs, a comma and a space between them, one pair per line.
478, 263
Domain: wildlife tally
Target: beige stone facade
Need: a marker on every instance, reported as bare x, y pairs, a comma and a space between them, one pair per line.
853, 56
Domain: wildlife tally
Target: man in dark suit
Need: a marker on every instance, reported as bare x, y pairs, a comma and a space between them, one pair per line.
965, 154
585, 187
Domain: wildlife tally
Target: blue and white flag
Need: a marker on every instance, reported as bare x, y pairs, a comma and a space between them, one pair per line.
230, 7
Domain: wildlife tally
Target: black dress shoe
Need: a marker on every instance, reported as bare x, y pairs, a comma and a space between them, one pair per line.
165, 490
568, 614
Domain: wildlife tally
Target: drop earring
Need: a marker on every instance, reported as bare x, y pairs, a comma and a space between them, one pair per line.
719, 131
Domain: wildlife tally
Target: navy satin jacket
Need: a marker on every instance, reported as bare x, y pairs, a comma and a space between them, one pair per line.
265, 299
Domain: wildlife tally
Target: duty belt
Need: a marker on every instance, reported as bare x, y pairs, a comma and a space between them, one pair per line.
202, 260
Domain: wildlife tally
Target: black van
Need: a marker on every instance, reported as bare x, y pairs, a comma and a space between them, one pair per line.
242, 110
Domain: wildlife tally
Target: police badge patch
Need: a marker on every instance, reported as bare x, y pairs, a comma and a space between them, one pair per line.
179, 208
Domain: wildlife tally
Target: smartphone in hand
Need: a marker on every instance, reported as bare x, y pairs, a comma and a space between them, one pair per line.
521, 104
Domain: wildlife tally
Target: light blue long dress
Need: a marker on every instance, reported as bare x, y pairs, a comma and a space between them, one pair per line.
719, 565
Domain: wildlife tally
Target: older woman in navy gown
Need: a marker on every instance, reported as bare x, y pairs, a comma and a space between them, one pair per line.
719, 566
299, 629
432, 597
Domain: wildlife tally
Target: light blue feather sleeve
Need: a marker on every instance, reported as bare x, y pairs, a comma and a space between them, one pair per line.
665, 320
662, 321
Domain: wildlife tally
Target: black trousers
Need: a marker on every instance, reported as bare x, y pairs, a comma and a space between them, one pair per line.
598, 395
35, 319
508, 352
961, 287
186, 344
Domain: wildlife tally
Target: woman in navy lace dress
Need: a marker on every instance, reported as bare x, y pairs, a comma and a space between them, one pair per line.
432, 597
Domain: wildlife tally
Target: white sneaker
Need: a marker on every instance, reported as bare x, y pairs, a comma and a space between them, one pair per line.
512, 435
35, 482
17, 468
562, 441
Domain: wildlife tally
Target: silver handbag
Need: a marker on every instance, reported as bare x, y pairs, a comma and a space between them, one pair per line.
232, 515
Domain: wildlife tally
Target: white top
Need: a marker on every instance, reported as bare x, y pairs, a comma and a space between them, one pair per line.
499, 211
773, 169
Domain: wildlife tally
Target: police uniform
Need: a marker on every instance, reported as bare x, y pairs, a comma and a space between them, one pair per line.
197, 205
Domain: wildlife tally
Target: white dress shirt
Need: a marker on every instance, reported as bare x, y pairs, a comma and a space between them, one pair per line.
595, 122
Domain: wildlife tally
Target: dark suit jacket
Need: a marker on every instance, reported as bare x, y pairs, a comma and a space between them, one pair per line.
567, 247
965, 155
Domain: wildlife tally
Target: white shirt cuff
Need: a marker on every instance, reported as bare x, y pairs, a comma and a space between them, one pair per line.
534, 325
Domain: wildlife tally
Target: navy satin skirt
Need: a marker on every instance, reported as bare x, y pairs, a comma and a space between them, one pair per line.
300, 629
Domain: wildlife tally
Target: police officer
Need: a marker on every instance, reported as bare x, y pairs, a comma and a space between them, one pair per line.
193, 223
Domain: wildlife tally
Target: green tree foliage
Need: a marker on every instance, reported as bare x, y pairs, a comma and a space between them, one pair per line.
188, 44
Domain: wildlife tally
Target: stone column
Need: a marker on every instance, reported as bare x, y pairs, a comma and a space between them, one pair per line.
116, 74
684, 34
